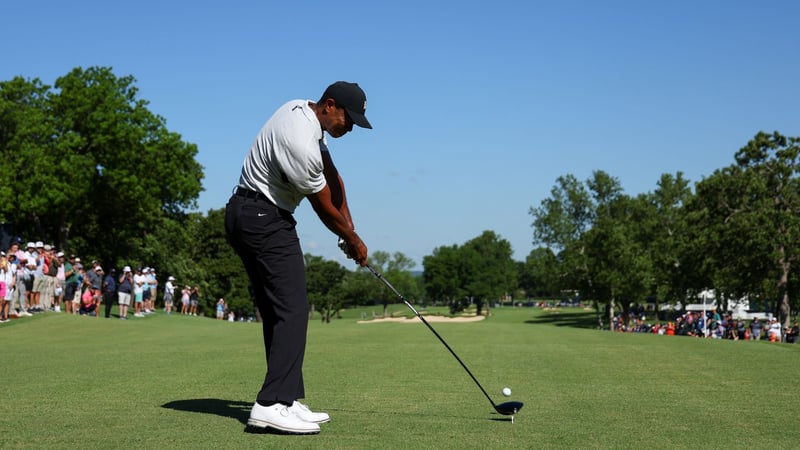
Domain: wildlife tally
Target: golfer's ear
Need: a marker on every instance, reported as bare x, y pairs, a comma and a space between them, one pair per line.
330, 104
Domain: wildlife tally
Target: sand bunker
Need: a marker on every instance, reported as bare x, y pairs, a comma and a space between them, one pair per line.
430, 319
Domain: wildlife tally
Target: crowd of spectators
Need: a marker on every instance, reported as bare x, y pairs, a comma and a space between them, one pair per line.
39, 278
713, 325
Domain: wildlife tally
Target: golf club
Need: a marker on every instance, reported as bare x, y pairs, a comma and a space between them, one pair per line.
507, 408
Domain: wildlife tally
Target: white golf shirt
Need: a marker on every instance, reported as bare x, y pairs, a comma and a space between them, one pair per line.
285, 160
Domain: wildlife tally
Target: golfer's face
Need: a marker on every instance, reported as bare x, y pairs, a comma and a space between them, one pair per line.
340, 123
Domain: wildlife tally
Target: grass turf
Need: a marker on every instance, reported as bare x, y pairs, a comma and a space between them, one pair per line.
187, 382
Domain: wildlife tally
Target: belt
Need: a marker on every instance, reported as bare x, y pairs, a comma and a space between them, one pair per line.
247, 193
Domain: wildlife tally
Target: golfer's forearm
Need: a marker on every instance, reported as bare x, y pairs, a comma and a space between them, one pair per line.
337, 223
343, 208
331, 216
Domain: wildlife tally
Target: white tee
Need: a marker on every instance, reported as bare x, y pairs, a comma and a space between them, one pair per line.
285, 160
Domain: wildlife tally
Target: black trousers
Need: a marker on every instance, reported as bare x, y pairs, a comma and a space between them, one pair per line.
108, 298
265, 239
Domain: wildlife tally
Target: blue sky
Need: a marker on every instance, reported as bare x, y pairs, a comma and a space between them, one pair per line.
477, 107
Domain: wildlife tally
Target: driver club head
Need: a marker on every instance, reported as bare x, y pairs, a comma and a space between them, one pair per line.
508, 408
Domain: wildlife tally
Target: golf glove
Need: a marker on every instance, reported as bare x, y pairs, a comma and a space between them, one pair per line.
343, 246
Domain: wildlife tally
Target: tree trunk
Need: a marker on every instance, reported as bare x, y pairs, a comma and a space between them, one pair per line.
599, 315
783, 309
611, 314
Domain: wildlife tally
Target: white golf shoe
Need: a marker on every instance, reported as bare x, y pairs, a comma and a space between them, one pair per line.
300, 410
278, 417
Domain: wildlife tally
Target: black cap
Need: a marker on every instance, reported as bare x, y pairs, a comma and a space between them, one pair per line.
350, 97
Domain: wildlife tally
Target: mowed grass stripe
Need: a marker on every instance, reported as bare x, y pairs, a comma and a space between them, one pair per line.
187, 382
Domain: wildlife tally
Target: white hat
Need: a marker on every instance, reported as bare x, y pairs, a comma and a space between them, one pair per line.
146, 270
30, 245
171, 278
39, 244
126, 269
98, 268
47, 247
59, 254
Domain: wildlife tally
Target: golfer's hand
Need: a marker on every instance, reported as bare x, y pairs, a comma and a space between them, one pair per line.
355, 250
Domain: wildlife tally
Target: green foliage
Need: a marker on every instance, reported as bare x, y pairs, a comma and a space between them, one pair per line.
96, 164
539, 275
739, 233
92, 170
481, 270
750, 212
323, 280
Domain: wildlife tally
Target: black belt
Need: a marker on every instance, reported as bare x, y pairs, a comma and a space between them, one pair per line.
247, 193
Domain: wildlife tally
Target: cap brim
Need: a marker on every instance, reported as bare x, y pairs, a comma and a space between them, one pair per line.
359, 119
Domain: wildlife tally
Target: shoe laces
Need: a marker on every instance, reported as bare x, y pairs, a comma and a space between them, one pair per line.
301, 406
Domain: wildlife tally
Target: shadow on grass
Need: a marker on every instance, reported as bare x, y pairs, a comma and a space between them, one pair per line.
567, 317
241, 411
224, 408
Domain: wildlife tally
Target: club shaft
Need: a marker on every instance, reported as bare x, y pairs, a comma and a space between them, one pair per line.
416, 313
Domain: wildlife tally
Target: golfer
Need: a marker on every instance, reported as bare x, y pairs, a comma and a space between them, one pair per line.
288, 161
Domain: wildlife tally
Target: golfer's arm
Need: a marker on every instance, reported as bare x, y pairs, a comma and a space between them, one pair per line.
336, 185
331, 215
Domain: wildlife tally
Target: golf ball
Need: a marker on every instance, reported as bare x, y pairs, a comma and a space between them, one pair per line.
507, 392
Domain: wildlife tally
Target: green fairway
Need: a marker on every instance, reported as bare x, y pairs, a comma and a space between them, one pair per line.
188, 382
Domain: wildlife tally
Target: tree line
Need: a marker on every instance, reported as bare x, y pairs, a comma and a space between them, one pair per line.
737, 232
89, 168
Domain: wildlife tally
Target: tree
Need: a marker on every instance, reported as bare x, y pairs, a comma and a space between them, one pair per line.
441, 274
620, 267
559, 224
751, 214
396, 268
480, 270
665, 229
100, 166
323, 280
596, 232
539, 274
488, 270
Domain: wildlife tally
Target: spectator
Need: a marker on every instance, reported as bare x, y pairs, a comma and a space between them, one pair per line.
152, 284
124, 292
35, 263
79, 286
755, 329
169, 293
22, 285
194, 298
220, 309
49, 271
70, 283
109, 290
701, 326
7, 276
774, 330
88, 304
792, 333
96, 284
61, 282
138, 292
185, 297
